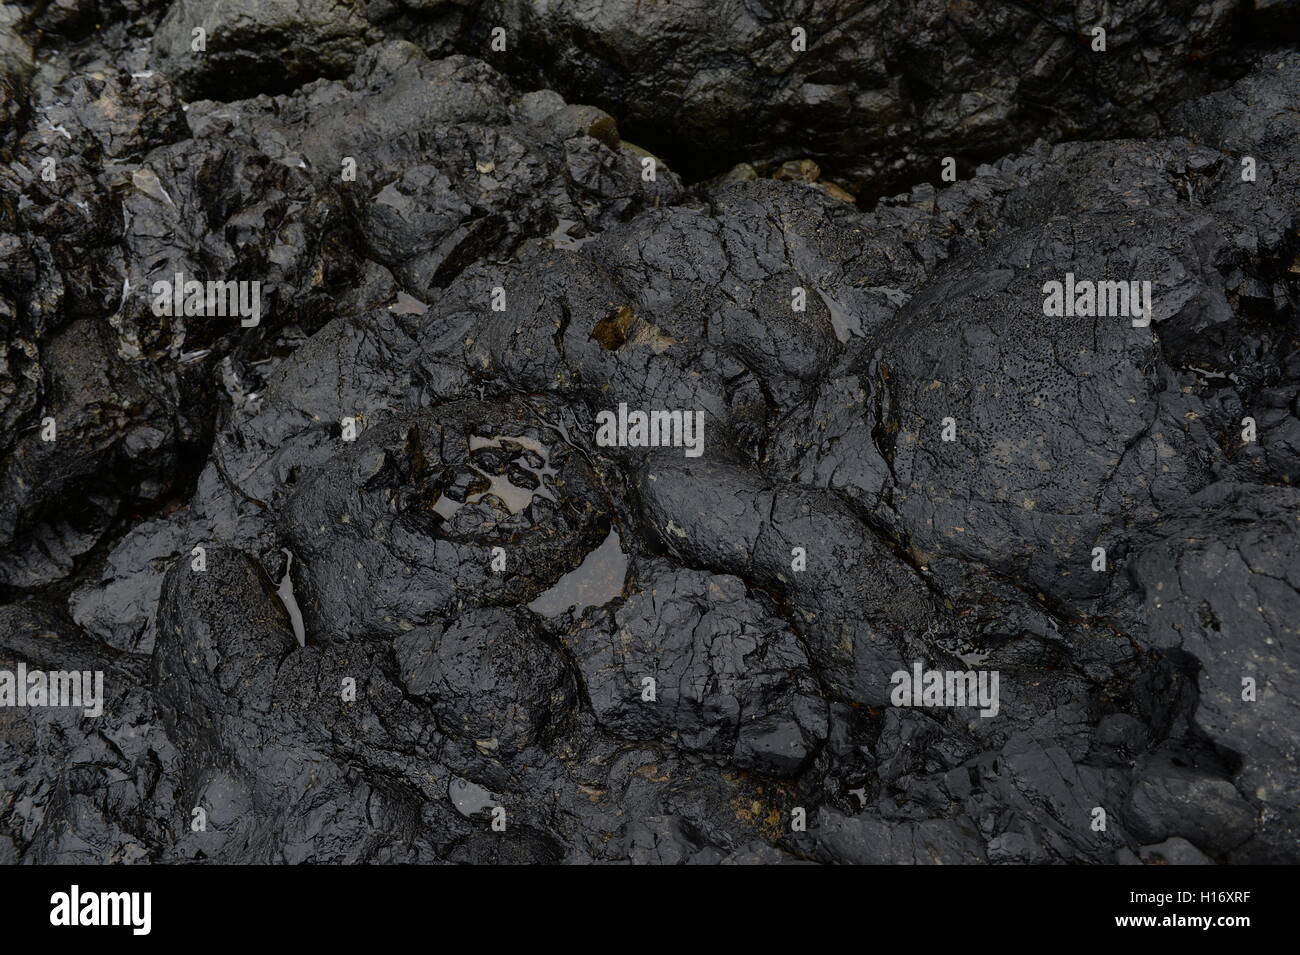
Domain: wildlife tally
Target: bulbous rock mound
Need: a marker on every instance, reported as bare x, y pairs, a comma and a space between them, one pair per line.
400, 530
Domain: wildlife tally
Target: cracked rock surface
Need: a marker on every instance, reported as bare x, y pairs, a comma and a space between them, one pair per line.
365, 585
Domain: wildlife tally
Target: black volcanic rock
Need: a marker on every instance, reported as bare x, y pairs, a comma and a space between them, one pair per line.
392, 572
881, 92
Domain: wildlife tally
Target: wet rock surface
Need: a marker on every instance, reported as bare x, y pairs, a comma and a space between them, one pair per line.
879, 85
559, 501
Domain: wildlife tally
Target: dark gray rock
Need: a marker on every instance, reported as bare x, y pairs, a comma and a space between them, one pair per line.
396, 485
257, 46
1169, 799
881, 92
490, 679
1220, 588
727, 678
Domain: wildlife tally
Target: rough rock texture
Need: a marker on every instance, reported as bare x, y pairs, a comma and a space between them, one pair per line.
253, 46
727, 678
365, 583
880, 87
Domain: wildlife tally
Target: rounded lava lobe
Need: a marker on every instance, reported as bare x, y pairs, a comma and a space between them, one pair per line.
222, 633
731, 681
1065, 433
490, 678
399, 530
